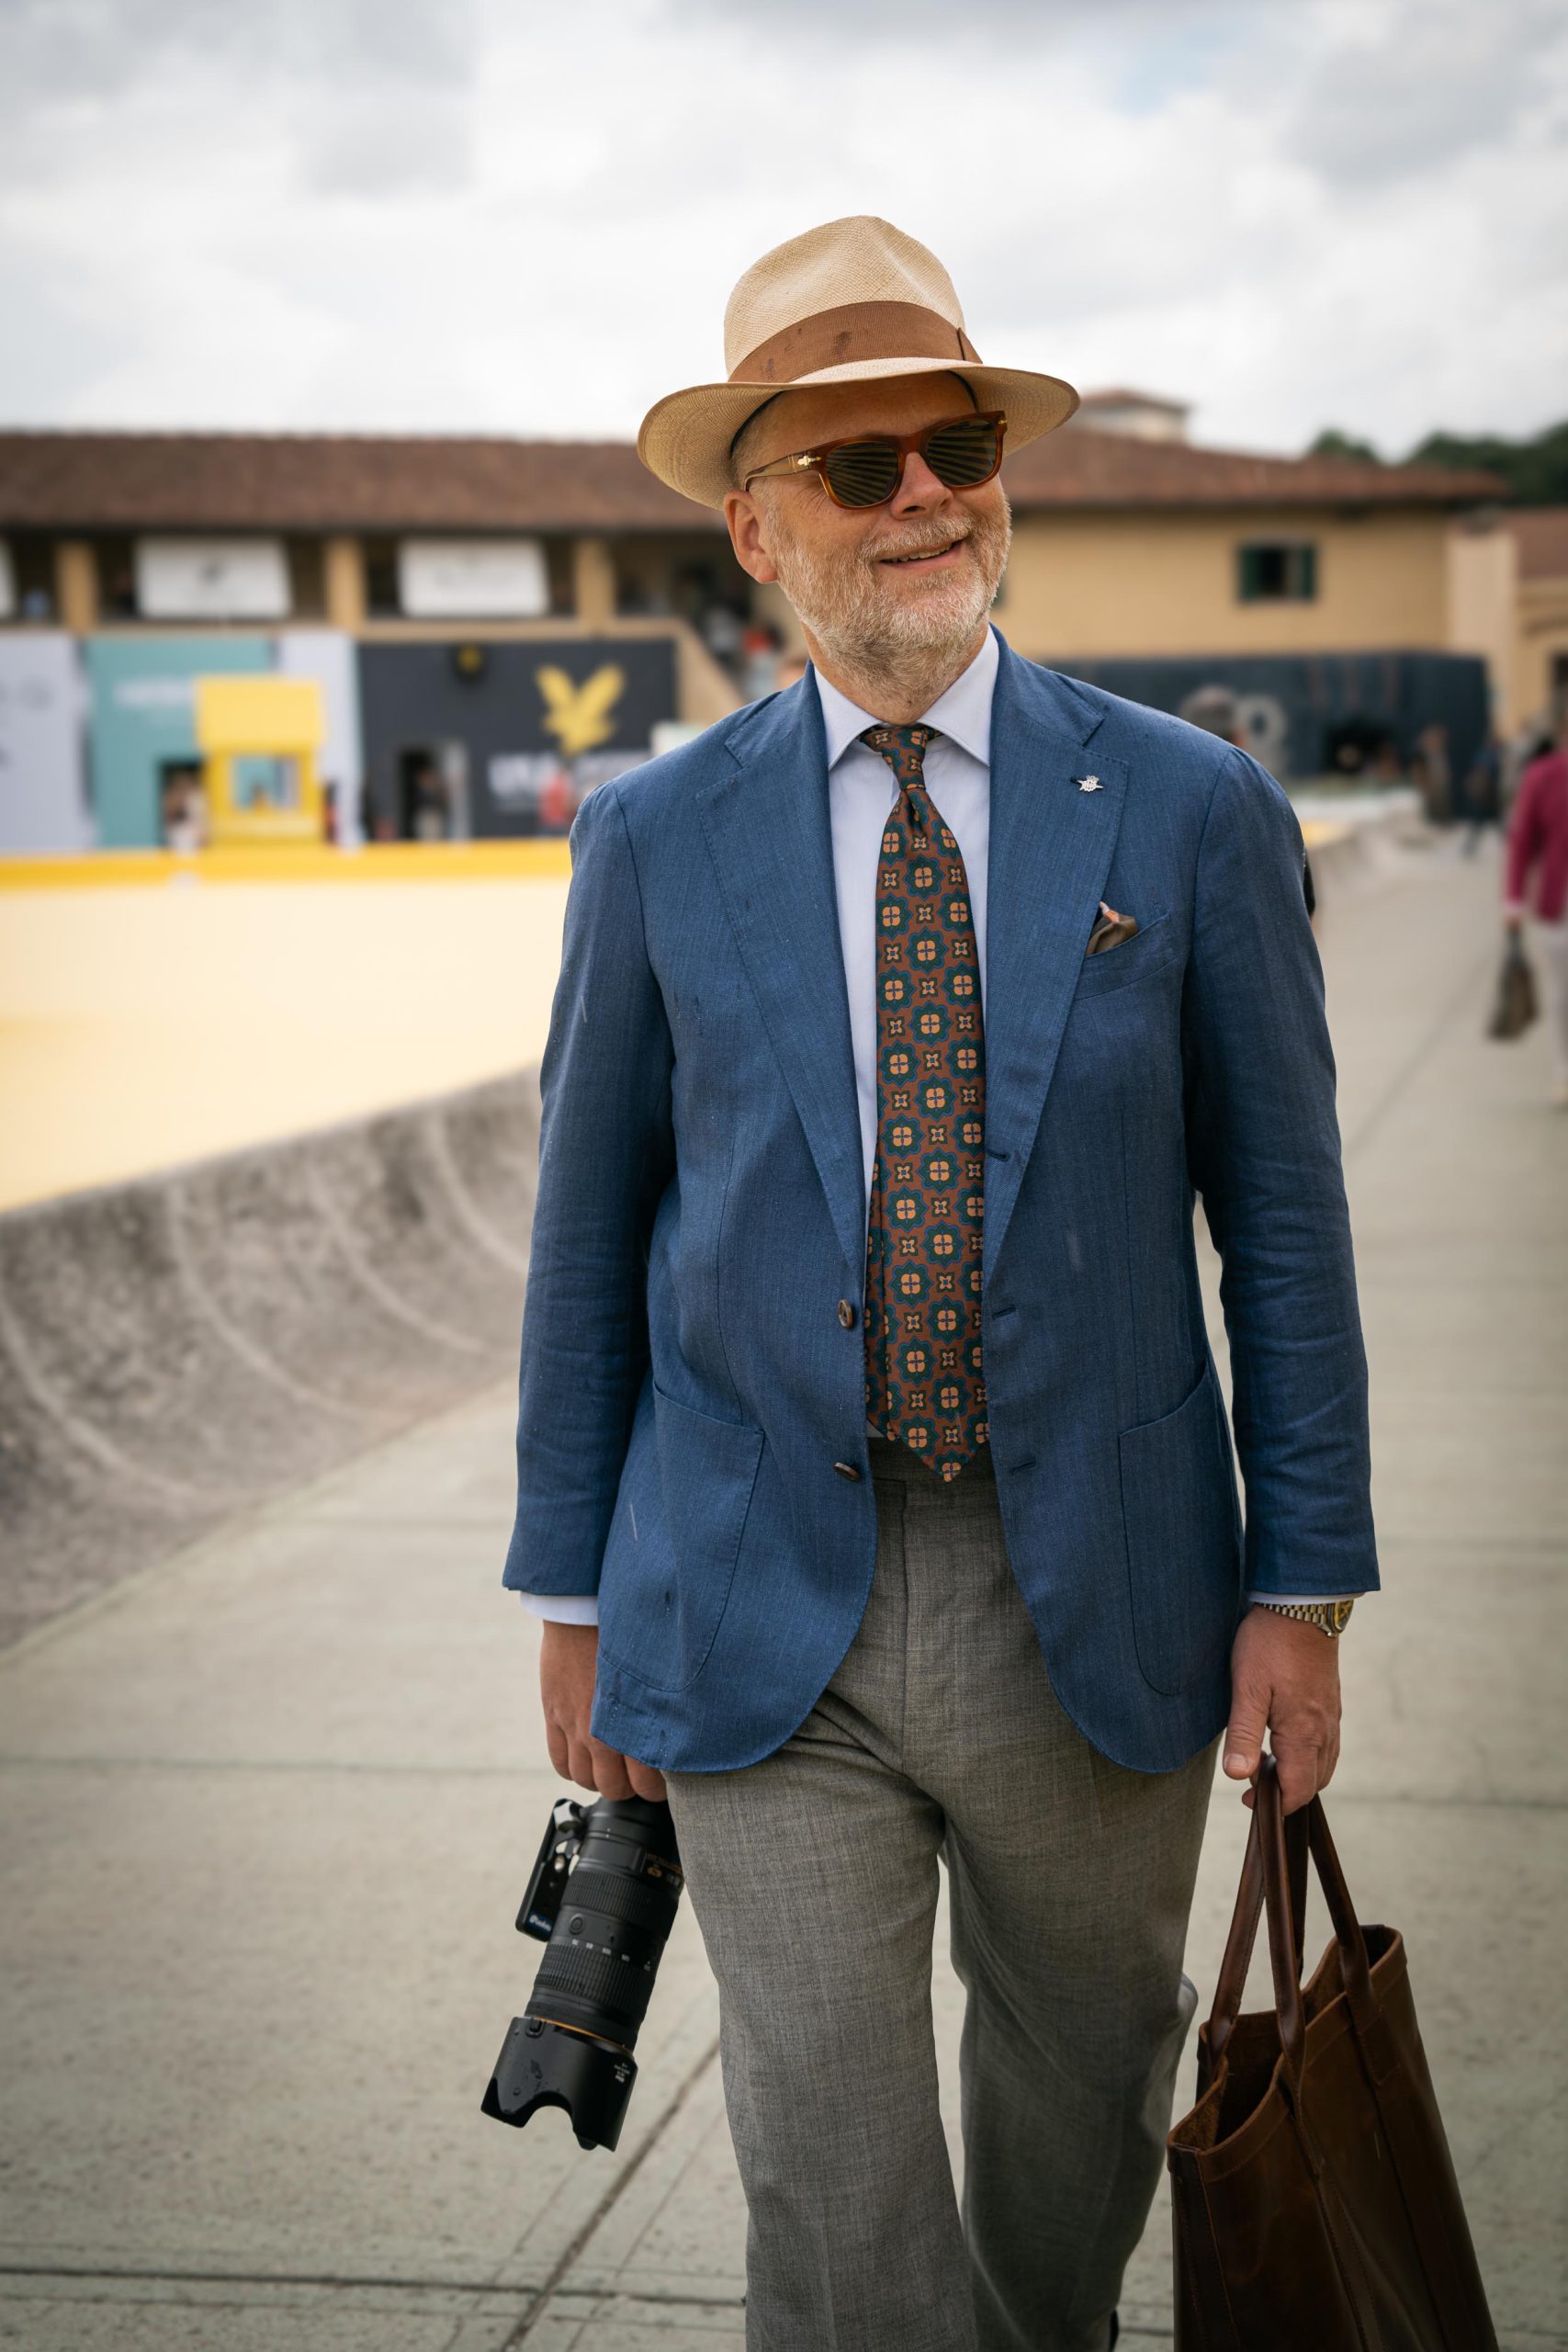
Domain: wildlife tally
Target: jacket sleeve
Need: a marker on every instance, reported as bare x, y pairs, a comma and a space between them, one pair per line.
606, 1153
1263, 1150
1524, 842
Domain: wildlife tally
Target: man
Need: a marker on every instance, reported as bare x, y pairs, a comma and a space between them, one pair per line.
864, 1379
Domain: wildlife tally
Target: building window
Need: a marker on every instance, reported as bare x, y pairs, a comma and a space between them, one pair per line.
27, 578
114, 557
381, 599
1276, 572
306, 580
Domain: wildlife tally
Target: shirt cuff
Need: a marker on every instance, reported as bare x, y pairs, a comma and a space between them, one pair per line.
1300, 1600
564, 1607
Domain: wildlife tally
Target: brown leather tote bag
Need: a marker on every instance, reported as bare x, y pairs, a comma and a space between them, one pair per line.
1314, 2203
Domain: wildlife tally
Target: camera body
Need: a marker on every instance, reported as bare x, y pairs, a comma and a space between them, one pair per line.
601, 1897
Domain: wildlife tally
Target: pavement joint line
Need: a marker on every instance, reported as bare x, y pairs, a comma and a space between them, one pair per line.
613, 2195
1410, 1069
624, 2292
348, 2281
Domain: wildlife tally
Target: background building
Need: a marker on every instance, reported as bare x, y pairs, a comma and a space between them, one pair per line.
495, 626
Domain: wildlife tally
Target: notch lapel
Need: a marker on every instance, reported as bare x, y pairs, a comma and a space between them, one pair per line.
1050, 853
768, 833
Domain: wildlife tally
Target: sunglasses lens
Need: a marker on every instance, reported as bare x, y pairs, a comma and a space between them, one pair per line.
863, 473
966, 453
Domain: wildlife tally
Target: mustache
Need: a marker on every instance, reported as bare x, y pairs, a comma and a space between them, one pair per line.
930, 536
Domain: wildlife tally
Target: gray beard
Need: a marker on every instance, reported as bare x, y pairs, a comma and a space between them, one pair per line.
876, 637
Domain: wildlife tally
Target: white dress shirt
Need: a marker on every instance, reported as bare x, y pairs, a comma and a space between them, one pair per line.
861, 790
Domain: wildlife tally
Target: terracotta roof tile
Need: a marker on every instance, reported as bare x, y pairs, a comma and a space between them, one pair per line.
1090, 468
308, 481
362, 482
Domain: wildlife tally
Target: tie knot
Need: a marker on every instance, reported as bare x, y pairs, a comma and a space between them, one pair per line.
903, 748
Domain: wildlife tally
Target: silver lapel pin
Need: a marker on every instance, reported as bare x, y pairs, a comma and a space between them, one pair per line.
1090, 784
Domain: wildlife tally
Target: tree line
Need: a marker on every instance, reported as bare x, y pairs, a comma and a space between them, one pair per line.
1536, 470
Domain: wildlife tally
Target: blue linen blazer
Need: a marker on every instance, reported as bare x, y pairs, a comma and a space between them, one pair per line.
687, 1384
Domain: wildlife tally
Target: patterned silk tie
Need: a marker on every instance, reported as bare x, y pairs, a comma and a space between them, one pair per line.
923, 1383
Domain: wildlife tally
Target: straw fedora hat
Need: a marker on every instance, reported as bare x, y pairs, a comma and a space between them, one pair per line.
851, 301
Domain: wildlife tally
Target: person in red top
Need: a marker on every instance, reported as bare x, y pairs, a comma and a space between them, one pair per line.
1538, 852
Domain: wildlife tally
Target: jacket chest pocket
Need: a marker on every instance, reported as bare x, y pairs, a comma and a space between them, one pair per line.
1148, 951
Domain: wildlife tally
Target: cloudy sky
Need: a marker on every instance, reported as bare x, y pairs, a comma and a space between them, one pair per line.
494, 215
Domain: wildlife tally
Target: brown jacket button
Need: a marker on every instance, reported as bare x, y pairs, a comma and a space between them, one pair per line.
846, 1469
847, 1314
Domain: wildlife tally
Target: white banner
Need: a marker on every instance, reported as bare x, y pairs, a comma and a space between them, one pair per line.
43, 801
328, 656
211, 580
472, 580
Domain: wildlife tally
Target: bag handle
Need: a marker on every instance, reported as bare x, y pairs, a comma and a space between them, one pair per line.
1273, 1885
1239, 1943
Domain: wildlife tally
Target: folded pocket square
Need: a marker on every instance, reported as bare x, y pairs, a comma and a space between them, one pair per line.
1109, 930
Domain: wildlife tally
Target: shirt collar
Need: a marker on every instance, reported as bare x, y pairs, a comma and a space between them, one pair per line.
962, 713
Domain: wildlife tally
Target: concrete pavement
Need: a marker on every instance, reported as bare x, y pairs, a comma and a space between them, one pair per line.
267, 1808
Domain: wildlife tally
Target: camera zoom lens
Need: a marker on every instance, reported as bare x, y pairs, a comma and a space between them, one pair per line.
572, 2045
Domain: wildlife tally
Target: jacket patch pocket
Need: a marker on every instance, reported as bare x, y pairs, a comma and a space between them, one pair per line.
707, 1469
1178, 1511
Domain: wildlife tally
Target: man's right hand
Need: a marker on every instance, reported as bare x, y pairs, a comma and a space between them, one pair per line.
568, 1659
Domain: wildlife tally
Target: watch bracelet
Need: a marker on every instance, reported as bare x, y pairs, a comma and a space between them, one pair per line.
1320, 1613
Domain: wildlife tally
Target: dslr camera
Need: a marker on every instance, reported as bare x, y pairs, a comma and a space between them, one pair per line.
602, 1899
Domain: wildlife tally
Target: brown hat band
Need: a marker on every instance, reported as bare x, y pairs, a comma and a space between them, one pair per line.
854, 331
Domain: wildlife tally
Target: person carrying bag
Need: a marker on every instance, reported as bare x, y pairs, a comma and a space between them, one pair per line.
1315, 2203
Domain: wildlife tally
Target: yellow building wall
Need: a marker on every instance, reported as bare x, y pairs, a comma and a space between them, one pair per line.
1540, 646
1099, 583
1484, 606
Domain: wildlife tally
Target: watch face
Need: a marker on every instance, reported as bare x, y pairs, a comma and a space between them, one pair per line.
1340, 1612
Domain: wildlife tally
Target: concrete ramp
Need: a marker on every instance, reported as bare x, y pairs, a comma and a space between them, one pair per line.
189, 1345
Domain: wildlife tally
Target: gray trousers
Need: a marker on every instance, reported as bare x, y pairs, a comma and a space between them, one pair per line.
814, 1878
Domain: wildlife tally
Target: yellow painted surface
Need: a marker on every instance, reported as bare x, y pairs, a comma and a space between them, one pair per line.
150, 1023
1098, 585
143, 1027
123, 869
259, 714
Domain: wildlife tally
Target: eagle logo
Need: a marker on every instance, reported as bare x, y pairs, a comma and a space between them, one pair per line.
580, 717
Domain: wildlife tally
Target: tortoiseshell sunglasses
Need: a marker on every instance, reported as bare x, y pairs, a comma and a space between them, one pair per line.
866, 469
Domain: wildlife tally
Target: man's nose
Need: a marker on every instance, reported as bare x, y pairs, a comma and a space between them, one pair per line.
918, 488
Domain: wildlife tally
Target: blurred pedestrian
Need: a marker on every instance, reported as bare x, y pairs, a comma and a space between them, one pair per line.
1536, 877
1481, 794
1431, 774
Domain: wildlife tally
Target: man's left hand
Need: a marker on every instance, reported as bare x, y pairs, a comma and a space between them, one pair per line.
1284, 1681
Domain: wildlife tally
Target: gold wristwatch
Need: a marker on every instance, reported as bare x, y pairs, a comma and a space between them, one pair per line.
1330, 1617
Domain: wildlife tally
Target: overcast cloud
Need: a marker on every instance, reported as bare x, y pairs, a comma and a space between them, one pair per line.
359, 214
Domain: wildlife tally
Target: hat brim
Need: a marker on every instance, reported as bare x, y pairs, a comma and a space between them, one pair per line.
685, 437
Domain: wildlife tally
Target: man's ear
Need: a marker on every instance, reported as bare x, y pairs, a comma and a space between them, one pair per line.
749, 535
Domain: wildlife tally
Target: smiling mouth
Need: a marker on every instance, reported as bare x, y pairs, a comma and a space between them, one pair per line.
916, 557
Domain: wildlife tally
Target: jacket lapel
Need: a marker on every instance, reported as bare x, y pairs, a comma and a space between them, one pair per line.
768, 831
1050, 853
